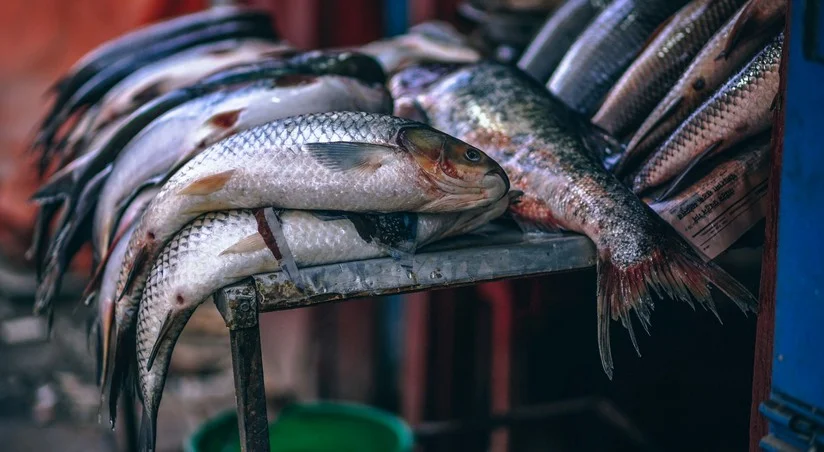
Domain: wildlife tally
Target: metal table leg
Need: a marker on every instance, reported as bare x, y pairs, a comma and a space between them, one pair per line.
238, 305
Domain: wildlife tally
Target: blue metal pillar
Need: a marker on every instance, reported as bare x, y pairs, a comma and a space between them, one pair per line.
796, 406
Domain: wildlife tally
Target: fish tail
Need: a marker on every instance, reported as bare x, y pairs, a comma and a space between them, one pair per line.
107, 333
121, 355
146, 437
672, 270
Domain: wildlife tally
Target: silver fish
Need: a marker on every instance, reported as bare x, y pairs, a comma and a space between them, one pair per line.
605, 49
221, 248
548, 47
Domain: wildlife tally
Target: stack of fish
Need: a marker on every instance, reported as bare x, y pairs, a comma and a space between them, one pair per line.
175, 149
259, 158
672, 86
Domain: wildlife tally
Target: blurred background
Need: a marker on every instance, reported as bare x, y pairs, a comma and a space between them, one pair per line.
521, 350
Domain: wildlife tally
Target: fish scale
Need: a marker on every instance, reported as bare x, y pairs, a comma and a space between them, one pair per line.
197, 262
752, 27
605, 49
739, 109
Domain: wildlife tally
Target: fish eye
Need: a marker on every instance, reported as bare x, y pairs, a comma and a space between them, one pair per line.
472, 155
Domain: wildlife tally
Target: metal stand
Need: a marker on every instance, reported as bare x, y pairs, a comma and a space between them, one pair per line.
238, 305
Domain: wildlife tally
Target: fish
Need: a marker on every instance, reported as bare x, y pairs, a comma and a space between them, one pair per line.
221, 248
548, 47
67, 185
178, 135
429, 41
94, 89
352, 161
750, 29
657, 68
532, 135
741, 108
180, 70
605, 49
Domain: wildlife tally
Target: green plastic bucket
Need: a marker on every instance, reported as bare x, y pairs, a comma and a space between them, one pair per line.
318, 427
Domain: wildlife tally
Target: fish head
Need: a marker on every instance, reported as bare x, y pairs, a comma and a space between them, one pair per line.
465, 176
414, 80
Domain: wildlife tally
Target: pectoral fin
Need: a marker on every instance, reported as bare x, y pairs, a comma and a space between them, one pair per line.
363, 158
208, 184
249, 244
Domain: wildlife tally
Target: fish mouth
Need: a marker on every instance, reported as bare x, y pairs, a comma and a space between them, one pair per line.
502, 174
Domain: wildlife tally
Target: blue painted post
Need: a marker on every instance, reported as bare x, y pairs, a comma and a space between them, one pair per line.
796, 406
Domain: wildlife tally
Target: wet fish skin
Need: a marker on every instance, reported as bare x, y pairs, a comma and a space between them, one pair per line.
705, 74
741, 108
180, 70
605, 49
548, 47
511, 117
658, 67
205, 256
178, 135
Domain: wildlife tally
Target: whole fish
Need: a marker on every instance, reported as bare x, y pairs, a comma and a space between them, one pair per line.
221, 248
605, 49
93, 90
532, 135
352, 161
741, 108
108, 278
179, 70
548, 47
67, 185
429, 41
178, 135
733, 46
653, 73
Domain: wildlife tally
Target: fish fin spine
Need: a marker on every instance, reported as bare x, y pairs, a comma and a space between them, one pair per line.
673, 270
249, 244
363, 158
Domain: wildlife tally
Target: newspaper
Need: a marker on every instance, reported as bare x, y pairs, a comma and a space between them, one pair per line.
723, 203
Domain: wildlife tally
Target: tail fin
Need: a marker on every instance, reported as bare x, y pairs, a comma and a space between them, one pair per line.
146, 438
675, 271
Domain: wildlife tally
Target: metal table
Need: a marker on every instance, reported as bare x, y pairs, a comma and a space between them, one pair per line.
495, 252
